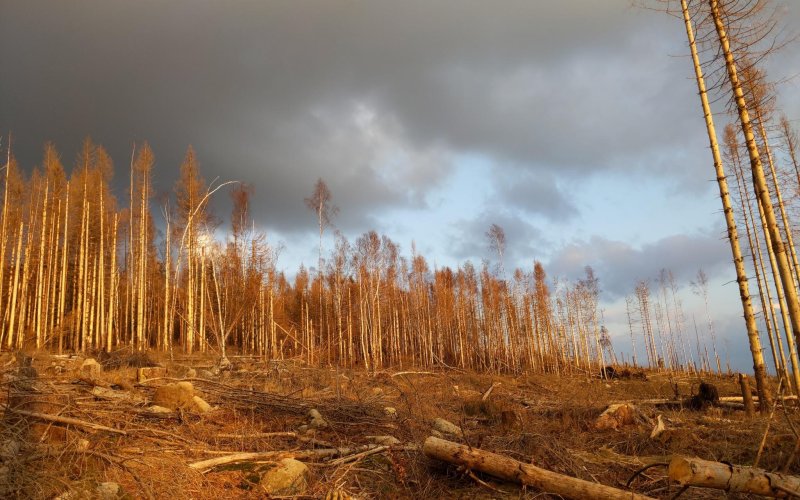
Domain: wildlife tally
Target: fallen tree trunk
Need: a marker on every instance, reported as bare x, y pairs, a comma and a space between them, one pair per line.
732, 478
511, 470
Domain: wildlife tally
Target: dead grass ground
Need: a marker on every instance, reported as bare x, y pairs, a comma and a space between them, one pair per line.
546, 420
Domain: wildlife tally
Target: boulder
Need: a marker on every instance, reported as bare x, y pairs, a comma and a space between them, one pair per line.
288, 477
200, 405
174, 396
390, 412
91, 368
616, 416
317, 422
148, 372
108, 491
384, 440
446, 427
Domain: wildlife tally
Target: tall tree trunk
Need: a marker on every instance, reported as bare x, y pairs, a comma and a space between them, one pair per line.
759, 179
760, 372
778, 355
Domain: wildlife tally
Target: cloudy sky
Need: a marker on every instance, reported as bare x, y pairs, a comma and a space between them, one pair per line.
573, 124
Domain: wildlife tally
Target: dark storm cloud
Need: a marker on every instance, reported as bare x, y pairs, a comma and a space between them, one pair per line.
275, 93
374, 97
619, 265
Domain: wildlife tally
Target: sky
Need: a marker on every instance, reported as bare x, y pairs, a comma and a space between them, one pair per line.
574, 124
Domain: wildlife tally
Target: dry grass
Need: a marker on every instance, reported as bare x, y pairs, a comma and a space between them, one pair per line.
543, 419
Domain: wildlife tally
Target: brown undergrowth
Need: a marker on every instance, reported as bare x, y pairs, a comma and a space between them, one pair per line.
547, 420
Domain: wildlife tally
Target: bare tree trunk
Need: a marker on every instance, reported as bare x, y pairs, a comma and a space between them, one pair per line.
760, 184
758, 262
113, 288
733, 237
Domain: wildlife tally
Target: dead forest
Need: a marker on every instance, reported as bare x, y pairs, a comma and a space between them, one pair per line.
151, 348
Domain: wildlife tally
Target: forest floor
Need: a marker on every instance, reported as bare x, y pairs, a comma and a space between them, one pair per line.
116, 440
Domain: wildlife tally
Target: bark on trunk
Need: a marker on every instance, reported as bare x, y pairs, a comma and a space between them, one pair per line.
733, 237
732, 478
511, 470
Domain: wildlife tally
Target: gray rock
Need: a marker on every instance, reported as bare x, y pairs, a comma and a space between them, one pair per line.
108, 491
148, 372
175, 396
288, 477
91, 368
446, 427
317, 422
384, 440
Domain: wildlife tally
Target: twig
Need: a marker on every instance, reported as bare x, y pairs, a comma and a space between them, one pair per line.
489, 391
393, 375
206, 465
63, 420
641, 470
358, 456
257, 435
482, 482
769, 422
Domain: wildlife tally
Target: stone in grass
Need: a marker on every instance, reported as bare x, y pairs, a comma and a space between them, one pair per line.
159, 409
288, 477
109, 491
446, 427
317, 422
174, 396
148, 372
616, 416
91, 368
384, 440
200, 405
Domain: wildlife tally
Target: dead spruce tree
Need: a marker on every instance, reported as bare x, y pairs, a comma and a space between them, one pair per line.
741, 276
718, 12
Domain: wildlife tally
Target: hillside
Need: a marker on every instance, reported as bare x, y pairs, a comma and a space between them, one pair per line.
263, 408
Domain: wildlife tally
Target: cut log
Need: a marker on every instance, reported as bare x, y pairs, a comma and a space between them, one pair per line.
732, 478
512, 470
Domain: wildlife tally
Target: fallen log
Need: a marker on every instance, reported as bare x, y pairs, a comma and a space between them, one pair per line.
512, 470
732, 478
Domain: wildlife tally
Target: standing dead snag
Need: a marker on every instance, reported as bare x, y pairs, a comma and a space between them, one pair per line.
732, 478
511, 470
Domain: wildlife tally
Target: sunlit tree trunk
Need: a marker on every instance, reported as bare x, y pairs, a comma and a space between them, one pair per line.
733, 237
113, 290
758, 261
760, 184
